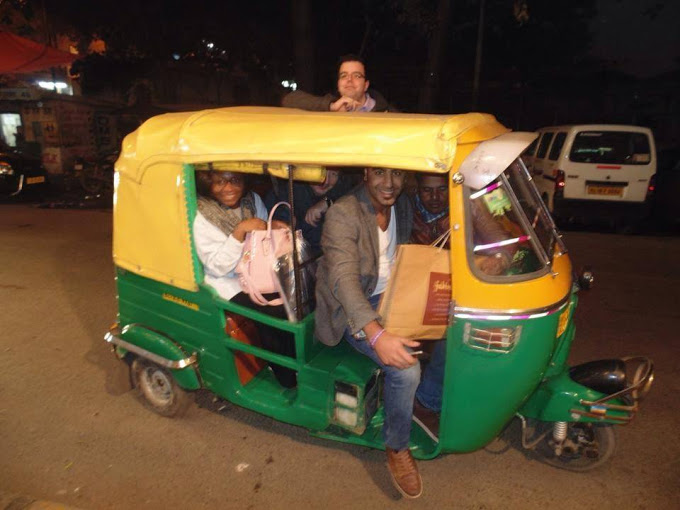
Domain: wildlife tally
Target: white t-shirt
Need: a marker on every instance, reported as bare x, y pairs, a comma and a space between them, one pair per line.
387, 249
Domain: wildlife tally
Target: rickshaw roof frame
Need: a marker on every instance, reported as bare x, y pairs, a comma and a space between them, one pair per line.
249, 137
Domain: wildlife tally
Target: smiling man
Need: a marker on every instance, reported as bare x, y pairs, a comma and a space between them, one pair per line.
359, 242
352, 95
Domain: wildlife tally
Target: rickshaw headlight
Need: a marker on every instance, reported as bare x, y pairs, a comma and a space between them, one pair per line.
492, 339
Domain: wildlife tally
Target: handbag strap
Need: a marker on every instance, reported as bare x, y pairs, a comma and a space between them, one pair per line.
269, 223
440, 242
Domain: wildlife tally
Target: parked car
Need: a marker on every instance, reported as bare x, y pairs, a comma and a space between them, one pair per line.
595, 171
666, 208
20, 173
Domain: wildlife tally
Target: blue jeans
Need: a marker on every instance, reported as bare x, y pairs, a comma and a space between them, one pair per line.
400, 389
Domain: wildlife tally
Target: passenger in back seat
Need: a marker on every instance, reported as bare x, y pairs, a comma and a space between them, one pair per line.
226, 213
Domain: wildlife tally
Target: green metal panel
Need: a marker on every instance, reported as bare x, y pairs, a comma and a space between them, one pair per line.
484, 389
195, 320
165, 347
557, 396
558, 363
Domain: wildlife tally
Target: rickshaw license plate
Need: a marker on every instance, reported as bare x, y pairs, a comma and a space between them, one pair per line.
35, 180
612, 191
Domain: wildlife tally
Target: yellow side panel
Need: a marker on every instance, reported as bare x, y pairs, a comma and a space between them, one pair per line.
151, 229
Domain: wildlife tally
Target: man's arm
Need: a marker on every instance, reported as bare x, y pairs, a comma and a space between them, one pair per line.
306, 101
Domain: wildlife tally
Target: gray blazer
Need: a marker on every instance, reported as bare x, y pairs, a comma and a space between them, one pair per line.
348, 271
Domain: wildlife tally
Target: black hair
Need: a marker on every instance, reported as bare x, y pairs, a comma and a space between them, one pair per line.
204, 179
351, 57
420, 176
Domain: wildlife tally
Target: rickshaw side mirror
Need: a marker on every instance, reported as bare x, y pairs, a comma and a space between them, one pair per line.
586, 278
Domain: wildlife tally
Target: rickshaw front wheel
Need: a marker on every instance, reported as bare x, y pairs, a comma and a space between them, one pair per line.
586, 446
157, 389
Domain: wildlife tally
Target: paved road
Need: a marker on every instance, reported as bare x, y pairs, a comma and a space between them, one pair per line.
71, 433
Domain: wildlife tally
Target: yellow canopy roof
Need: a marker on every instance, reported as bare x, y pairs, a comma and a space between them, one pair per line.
152, 230
258, 134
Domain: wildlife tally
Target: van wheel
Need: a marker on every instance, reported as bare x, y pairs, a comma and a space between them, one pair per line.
586, 447
156, 388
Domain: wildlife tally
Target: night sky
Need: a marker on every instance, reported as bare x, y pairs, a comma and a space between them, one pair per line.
635, 43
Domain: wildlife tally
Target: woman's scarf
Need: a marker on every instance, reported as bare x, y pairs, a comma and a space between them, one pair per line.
226, 218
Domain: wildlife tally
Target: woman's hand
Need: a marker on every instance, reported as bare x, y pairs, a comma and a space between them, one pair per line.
246, 226
391, 349
279, 224
316, 212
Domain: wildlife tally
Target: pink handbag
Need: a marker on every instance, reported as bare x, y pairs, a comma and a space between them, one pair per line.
261, 249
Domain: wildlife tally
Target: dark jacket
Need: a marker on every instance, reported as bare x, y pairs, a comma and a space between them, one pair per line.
304, 198
306, 101
348, 271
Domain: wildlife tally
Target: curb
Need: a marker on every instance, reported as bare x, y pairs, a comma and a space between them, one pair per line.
10, 501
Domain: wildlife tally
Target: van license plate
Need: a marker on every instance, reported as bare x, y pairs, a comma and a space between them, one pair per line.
616, 191
35, 180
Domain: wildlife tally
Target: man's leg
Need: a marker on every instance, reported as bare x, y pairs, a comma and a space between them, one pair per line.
428, 402
430, 390
398, 394
398, 397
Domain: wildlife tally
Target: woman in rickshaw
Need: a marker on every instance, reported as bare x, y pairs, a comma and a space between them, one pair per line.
226, 213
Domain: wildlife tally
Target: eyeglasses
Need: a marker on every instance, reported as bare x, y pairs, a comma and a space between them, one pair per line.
222, 181
354, 76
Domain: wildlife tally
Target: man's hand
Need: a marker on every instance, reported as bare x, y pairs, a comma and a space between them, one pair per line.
344, 104
246, 226
316, 212
391, 350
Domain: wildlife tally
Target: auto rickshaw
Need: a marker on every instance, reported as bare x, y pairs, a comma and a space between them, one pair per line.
508, 336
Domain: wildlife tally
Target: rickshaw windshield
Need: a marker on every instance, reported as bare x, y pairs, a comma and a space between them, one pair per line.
512, 232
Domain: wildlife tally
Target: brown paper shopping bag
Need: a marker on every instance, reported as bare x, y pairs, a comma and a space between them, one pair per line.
415, 303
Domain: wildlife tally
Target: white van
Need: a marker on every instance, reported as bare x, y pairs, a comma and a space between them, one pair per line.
594, 170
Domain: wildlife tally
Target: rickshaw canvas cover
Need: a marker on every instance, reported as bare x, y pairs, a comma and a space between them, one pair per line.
416, 301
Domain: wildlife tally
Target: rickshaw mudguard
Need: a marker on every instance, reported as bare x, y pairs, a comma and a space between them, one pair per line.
559, 398
152, 345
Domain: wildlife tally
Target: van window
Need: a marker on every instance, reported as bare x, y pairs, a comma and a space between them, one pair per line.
613, 147
557, 146
532, 148
545, 143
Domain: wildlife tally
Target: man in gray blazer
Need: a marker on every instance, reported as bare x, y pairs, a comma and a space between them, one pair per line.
359, 242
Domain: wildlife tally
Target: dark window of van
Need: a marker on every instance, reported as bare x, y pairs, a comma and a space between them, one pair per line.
544, 144
557, 145
532, 148
612, 147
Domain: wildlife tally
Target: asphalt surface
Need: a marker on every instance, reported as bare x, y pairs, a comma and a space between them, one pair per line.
71, 432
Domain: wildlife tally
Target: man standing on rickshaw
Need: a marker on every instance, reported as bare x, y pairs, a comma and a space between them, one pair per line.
352, 96
359, 242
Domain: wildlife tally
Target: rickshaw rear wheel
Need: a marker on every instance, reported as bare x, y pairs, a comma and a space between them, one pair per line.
156, 388
587, 446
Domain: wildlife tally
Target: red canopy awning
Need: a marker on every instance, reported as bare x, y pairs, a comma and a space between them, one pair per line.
21, 55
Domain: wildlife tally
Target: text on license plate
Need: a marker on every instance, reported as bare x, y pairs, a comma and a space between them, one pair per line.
616, 191
35, 180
